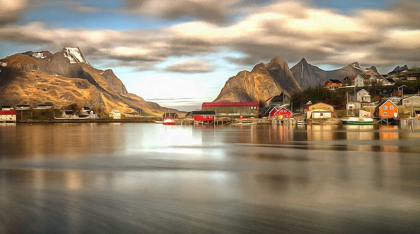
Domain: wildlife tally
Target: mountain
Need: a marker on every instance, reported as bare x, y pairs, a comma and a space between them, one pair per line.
263, 82
66, 78
308, 75
399, 69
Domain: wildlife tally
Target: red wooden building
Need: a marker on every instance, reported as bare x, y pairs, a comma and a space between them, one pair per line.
386, 109
8, 116
281, 112
203, 116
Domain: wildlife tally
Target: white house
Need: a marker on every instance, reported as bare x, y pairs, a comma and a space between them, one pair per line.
413, 100
362, 96
115, 114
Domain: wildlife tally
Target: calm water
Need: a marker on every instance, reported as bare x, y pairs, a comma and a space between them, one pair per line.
149, 178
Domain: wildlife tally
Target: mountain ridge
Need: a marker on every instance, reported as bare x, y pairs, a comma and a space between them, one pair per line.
66, 78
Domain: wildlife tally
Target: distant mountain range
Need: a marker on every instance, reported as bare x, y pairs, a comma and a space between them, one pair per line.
267, 80
66, 78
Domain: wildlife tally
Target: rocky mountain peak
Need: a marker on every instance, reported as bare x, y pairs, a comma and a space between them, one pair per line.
304, 62
74, 55
355, 65
276, 63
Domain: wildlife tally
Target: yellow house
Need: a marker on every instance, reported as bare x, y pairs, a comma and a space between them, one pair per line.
320, 110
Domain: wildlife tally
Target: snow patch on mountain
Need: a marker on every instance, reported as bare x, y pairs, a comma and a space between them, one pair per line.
74, 55
3, 64
39, 55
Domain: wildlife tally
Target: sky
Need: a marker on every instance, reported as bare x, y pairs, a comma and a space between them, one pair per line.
180, 53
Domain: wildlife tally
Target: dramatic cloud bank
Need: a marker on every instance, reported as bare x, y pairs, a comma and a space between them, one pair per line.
289, 29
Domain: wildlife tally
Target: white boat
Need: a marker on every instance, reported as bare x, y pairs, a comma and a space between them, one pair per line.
357, 121
168, 121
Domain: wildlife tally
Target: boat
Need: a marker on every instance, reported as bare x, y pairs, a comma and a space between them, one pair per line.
357, 121
168, 121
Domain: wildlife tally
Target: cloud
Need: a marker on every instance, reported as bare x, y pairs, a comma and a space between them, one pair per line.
190, 66
208, 10
11, 11
289, 29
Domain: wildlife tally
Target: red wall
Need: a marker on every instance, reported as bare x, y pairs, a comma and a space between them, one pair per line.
203, 117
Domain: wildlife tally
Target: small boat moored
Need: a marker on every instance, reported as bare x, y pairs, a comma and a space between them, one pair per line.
357, 121
168, 121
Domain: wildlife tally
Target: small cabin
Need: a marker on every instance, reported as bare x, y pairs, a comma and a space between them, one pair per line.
203, 116
363, 96
410, 101
6, 108
115, 114
68, 114
8, 116
332, 84
386, 109
23, 107
281, 113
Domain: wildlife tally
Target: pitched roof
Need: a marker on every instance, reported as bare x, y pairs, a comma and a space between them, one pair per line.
8, 112
384, 101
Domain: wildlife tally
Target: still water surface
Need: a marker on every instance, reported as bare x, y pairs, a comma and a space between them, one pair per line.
149, 178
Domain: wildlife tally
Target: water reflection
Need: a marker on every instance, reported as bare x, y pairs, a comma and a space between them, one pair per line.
131, 178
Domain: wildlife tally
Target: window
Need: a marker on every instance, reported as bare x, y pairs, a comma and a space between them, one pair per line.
391, 107
385, 114
385, 108
204, 116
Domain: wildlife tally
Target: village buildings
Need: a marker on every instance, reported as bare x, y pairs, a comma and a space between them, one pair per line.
232, 109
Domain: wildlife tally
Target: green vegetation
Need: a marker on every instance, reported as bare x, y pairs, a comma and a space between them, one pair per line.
319, 94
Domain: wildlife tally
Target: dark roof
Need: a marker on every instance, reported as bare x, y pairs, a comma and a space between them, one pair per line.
335, 81
68, 112
417, 112
46, 104
230, 104
203, 113
390, 80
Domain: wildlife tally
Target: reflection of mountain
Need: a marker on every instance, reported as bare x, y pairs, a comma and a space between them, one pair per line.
64, 78
308, 75
263, 82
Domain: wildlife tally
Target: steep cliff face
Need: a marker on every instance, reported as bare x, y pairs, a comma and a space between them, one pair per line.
263, 82
66, 78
